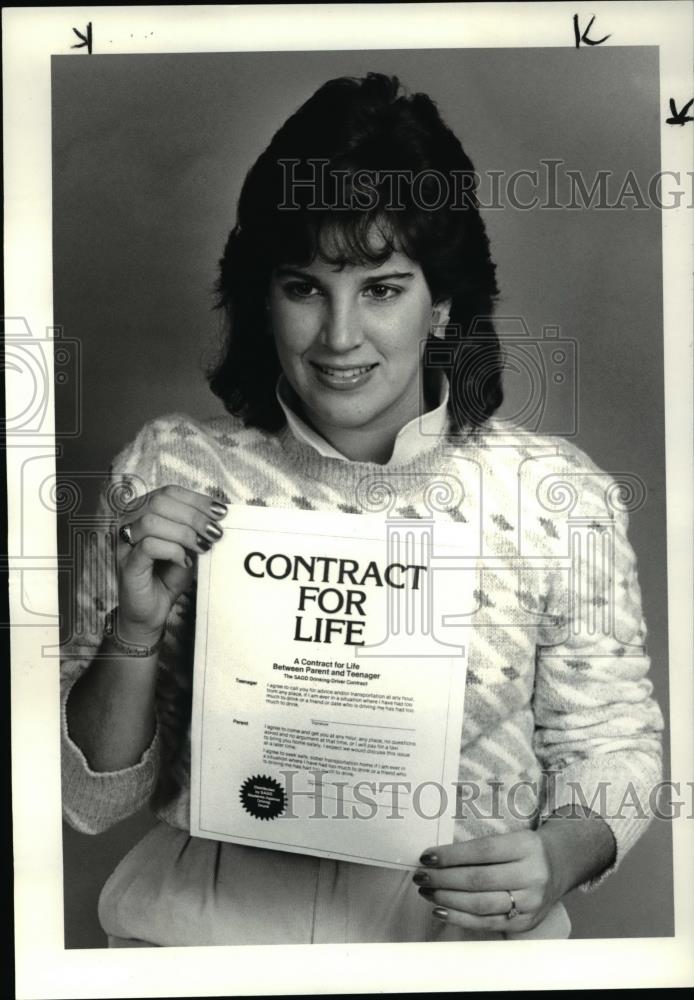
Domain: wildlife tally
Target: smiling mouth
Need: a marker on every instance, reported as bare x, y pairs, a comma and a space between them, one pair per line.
343, 373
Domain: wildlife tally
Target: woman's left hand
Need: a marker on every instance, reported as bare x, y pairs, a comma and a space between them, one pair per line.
471, 882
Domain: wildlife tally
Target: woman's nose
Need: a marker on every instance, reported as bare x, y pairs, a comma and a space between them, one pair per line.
341, 329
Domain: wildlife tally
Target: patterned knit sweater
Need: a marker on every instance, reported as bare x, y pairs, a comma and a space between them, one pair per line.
557, 682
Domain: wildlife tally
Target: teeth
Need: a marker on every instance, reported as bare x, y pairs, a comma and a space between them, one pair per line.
345, 373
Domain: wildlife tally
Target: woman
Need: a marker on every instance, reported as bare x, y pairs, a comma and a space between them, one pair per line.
338, 274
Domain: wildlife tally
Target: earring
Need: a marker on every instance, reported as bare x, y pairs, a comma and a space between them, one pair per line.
439, 322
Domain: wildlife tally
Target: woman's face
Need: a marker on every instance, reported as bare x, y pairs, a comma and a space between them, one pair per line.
350, 341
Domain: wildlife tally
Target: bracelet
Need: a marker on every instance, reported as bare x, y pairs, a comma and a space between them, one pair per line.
111, 630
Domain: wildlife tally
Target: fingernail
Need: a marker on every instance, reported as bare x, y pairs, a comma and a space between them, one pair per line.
429, 859
439, 912
218, 509
421, 878
188, 561
213, 531
427, 894
203, 544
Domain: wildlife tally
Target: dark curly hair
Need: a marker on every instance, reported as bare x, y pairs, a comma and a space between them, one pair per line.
352, 138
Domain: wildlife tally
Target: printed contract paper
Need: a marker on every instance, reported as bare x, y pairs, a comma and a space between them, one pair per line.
328, 694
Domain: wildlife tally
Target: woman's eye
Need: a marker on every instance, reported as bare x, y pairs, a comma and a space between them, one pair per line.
300, 289
307, 290
382, 292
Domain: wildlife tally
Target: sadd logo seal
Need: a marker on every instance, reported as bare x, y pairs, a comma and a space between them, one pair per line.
263, 797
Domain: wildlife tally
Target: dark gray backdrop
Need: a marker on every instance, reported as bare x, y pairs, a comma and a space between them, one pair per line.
148, 156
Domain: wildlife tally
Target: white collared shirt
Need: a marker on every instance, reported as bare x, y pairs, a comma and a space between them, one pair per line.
408, 442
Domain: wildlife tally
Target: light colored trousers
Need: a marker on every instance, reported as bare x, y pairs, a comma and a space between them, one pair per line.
177, 890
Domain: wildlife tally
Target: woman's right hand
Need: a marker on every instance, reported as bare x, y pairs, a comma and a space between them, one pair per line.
168, 527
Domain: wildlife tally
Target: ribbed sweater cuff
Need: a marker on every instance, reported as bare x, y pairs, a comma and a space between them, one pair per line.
93, 801
622, 802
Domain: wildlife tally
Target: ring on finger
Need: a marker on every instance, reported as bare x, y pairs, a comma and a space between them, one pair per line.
125, 533
514, 911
